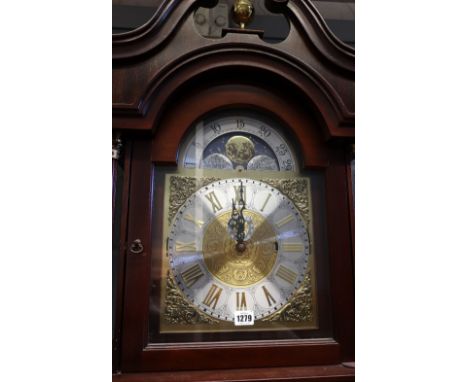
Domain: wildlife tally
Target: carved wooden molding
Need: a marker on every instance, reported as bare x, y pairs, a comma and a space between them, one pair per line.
171, 13
319, 34
154, 33
271, 62
148, 69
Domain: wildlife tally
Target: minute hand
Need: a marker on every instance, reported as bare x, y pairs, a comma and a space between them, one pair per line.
241, 219
241, 227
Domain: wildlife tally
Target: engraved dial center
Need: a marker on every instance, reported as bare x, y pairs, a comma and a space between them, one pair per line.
239, 263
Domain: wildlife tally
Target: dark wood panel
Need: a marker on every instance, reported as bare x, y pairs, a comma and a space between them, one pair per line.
249, 354
341, 258
332, 373
350, 180
135, 301
120, 266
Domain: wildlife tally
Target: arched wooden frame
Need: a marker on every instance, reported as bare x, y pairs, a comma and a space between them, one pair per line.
207, 62
179, 115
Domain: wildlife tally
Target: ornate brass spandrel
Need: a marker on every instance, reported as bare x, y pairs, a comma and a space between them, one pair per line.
300, 307
181, 188
297, 191
178, 310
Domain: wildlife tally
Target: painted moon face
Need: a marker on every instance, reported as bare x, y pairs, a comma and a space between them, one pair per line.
240, 149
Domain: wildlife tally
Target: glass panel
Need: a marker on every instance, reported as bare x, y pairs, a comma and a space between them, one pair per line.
131, 14
339, 16
233, 242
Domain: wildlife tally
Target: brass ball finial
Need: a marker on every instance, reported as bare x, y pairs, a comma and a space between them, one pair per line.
243, 11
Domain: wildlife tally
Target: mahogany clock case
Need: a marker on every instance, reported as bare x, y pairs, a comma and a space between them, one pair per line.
327, 167
308, 87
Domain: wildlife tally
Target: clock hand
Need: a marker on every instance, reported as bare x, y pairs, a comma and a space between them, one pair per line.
232, 223
236, 224
240, 246
241, 220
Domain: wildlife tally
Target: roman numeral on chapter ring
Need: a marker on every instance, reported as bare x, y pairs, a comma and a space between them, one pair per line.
237, 190
211, 299
284, 221
286, 274
293, 247
192, 275
185, 247
265, 202
268, 296
189, 217
213, 199
241, 302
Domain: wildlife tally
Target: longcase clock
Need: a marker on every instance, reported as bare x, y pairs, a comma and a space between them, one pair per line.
234, 212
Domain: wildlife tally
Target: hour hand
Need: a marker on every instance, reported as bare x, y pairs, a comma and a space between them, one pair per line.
240, 228
232, 223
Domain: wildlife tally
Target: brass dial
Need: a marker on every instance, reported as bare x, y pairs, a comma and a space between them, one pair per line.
219, 276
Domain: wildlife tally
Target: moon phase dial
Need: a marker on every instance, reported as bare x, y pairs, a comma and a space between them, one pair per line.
238, 140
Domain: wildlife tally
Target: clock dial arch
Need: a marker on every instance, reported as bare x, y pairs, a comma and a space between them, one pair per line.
218, 279
238, 139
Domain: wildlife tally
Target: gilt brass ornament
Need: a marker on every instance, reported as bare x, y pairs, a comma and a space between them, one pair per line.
243, 11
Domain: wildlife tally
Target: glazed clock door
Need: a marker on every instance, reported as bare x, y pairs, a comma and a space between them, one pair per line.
230, 215
234, 239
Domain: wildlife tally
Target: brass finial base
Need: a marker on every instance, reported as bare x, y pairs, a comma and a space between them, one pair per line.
243, 11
